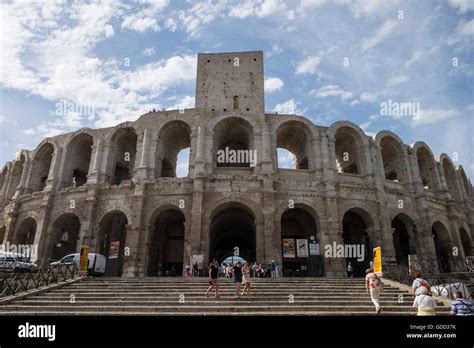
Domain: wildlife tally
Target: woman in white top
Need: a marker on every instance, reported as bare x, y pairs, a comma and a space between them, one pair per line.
246, 278
424, 302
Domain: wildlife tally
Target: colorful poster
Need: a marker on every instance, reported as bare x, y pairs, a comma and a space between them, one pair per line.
199, 259
288, 248
377, 260
314, 249
114, 250
302, 247
83, 260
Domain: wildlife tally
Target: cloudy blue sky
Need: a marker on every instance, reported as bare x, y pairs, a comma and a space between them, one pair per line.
326, 60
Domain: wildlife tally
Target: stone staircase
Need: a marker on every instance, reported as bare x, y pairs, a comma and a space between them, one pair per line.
178, 296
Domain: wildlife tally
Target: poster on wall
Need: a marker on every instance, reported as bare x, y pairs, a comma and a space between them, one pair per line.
83, 260
314, 249
378, 260
199, 259
114, 250
288, 248
302, 247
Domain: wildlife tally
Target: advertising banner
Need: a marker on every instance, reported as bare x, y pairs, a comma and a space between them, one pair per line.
314, 249
378, 260
114, 250
83, 260
289, 248
199, 259
302, 247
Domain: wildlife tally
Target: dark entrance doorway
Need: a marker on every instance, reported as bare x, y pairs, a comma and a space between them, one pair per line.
232, 233
298, 228
113, 233
167, 245
65, 235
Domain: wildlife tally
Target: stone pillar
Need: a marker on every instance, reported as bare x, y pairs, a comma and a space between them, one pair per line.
261, 237
42, 234
266, 160
54, 171
132, 241
142, 160
331, 231
24, 176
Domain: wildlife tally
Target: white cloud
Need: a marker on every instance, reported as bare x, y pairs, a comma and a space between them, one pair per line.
257, 8
462, 5
380, 34
241, 11
373, 8
273, 84
275, 50
149, 51
308, 66
433, 115
288, 107
145, 18
187, 102
269, 7
201, 14
332, 91
464, 30
396, 80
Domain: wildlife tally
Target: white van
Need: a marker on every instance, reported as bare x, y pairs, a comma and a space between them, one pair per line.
15, 262
96, 262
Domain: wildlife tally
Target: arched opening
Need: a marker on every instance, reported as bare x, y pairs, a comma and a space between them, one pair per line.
233, 142
466, 242
300, 244
232, 232
25, 234
172, 153
40, 167
112, 237
443, 246
3, 176
393, 160
358, 248
3, 230
167, 244
236, 102
124, 150
64, 235
451, 180
403, 227
426, 166
293, 137
78, 159
348, 151
465, 182
15, 179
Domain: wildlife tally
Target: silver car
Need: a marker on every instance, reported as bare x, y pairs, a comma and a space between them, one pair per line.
15, 262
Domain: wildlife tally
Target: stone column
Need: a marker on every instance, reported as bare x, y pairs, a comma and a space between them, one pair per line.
261, 237
54, 171
96, 159
141, 162
24, 176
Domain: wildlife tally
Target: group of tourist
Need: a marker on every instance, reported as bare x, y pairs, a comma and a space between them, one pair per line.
240, 272
257, 270
423, 298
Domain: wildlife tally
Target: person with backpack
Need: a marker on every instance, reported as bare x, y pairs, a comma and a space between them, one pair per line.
373, 284
418, 283
424, 302
461, 306
213, 278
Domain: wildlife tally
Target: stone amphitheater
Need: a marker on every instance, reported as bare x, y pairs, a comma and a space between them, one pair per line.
115, 189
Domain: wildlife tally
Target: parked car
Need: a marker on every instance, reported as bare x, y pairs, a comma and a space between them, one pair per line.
96, 262
15, 262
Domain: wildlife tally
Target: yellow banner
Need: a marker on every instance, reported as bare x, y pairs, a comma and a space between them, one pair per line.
84, 260
377, 260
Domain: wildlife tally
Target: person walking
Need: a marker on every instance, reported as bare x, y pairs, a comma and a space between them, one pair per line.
350, 270
273, 269
195, 269
246, 279
424, 302
461, 306
373, 284
213, 278
237, 271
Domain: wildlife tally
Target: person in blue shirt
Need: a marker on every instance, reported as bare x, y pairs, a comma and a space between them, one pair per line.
461, 306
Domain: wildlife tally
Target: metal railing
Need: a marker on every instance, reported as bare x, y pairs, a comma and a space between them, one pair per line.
445, 278
15, 280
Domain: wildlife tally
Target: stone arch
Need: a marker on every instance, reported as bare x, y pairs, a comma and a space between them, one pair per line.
64, 236
426, 166
404, 237
450, 176
443, 245
15, 179
3, 176
301, 223
358, 233
465, 182
122, 153
296, 137
77, 159
239, 201
111, 239
41, 165
350, 146
26, 231
173, 136
232, 133
466, 242
165, 252
393, 156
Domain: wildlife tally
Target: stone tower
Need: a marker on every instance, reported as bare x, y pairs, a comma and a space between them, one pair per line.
230, 81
